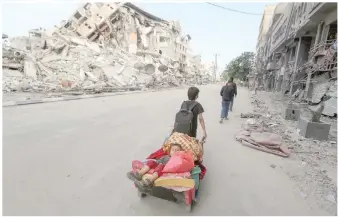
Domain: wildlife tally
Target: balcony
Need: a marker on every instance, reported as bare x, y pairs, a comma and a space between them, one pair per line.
320, 10
320, 49
323, 57
271, 66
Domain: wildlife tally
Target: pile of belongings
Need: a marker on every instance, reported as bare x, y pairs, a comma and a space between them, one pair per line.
187, 143
263, 141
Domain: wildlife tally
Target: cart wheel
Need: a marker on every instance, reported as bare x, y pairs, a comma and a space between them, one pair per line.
141, 194
188, 207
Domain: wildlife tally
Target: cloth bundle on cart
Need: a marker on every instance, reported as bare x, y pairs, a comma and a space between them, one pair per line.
187, 143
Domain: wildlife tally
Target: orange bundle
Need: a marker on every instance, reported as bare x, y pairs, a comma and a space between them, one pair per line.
187, 143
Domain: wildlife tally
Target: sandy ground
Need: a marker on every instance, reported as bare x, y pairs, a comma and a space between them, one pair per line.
70, 158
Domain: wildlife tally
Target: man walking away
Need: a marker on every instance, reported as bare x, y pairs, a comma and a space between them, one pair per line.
227, 93
231, 81
186, 118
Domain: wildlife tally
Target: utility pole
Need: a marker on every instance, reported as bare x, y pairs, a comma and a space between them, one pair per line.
215, 66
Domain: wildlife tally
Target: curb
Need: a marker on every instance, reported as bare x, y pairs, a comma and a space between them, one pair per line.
69, 98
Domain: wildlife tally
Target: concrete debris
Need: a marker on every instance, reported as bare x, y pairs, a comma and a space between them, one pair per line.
321, 90
330, 107
127, 48
325, 91
317, 113
314, 163
249, 115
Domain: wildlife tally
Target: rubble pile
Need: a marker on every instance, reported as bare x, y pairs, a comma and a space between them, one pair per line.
324, 92
313, 163
61, 60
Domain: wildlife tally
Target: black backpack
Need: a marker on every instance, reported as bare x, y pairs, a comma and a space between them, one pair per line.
184, 118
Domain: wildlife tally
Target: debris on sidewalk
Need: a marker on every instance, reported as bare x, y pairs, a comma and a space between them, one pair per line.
313, 163
249, 115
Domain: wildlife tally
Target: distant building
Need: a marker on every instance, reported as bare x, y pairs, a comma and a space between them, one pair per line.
262, 48
132, 27
300, 47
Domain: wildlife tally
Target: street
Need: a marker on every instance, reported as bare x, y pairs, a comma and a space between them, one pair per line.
71, 158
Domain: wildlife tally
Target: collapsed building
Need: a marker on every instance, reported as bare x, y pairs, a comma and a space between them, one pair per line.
298, 55
103, 46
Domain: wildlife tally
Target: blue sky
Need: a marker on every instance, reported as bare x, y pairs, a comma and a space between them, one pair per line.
213, 30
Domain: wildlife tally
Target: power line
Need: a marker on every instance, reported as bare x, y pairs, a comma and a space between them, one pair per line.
233, 10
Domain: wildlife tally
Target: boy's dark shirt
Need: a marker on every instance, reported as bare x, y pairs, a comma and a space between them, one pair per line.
198, 109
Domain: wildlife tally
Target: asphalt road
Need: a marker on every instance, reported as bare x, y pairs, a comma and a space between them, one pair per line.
70, 158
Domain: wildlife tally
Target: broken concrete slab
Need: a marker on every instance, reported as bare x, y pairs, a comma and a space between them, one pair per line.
11, 73
330, 107
30, 69
315, 130
319, 91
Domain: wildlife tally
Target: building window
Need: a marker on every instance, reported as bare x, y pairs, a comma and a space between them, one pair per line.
87, 6
67, 25
91, 35
84, 19
88, 26
163, 39
77, 15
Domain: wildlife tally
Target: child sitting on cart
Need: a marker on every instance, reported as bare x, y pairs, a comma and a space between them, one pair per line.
156, 165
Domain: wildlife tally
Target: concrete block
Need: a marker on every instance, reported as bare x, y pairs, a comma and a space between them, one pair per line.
330, 107
30, 69
292, 114
313, 130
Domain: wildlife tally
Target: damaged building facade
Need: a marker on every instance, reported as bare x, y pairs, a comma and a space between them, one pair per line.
302, 52
102, 47
130, 27
262, 50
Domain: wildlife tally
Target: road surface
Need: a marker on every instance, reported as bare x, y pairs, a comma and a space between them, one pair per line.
70, 158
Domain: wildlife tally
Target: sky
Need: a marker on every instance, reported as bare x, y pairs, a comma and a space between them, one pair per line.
212, 29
